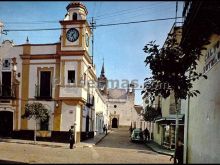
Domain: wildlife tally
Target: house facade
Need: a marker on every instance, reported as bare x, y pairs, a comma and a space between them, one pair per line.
56, 75
102, 113
201, 142
165, 126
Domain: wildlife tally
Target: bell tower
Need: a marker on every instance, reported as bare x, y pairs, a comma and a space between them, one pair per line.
75, 33
102, 81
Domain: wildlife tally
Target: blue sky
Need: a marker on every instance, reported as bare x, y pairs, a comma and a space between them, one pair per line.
121, 46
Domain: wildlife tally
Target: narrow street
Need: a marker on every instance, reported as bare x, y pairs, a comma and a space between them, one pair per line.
114, 148
117, 148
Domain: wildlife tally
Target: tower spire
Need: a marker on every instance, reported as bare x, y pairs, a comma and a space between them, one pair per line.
103, 69
27, 40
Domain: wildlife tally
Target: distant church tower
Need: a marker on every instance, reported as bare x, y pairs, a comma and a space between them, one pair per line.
102, 81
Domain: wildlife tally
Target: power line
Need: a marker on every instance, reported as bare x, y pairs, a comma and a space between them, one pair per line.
99, 17
124, 23
137, 15
101, 25
125, 12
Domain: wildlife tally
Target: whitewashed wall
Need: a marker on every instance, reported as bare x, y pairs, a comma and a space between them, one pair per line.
204, 114
68, 116
43, 49
8, 50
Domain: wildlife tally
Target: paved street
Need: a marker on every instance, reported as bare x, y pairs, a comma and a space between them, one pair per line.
114, 148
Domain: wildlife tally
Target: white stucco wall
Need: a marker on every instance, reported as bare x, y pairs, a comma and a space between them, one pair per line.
101, 111
68, 116
78, 118
9, 50
204, 114
43, 49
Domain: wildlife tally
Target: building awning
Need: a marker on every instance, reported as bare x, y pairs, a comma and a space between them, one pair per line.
170, 118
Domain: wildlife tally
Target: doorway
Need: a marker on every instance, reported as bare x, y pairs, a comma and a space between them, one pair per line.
87, 123
114, 123
6, 84
45, 87
6, 123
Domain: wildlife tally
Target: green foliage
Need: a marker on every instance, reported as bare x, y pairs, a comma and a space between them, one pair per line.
172, 70
151, 113
36, 111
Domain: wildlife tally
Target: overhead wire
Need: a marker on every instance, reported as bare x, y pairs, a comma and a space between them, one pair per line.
99, 25
126, 10
99, 17
137, 15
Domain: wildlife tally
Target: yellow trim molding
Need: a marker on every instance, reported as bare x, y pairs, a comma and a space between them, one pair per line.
25, 82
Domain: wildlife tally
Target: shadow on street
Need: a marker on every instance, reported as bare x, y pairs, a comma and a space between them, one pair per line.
10, 162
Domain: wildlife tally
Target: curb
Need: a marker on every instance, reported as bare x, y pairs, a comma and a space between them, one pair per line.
159, 152
102, 138
50, 145
99, 140
38, 143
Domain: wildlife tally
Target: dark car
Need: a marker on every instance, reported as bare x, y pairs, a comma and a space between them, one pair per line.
137, 135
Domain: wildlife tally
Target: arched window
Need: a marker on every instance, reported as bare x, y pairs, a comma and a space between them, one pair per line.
74, 16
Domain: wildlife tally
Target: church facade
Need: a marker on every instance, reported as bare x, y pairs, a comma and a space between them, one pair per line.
120, 103
55, 74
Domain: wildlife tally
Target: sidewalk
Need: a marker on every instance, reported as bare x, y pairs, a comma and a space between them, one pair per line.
159, 149
87, 143
92, 141
39, 143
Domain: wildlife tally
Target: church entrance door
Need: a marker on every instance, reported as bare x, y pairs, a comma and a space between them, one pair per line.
114, 123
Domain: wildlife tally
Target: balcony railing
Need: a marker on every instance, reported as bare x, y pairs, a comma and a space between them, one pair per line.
7, 91
43, 93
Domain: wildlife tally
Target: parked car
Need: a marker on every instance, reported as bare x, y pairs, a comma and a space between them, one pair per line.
137, 135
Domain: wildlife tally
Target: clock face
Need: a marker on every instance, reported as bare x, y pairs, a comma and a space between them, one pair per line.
87, 39
72, 35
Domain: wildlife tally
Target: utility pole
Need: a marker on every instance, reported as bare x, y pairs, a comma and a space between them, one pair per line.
93, 24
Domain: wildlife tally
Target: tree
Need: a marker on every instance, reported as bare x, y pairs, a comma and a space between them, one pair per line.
151, 113
36, 111
173, 70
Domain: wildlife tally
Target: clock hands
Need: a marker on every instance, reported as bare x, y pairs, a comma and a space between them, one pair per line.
72, 35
